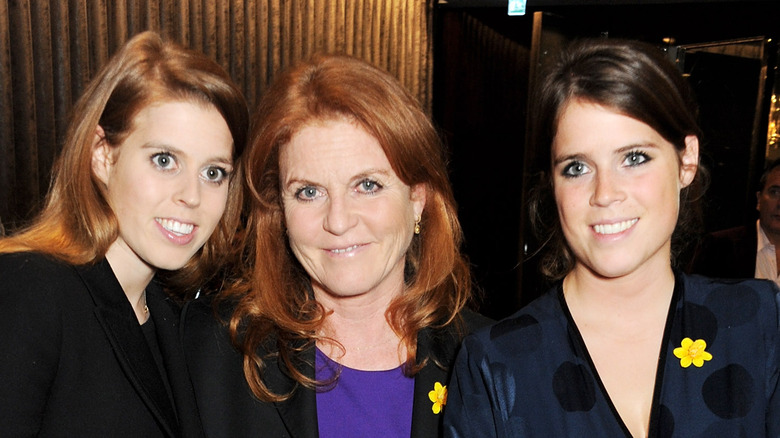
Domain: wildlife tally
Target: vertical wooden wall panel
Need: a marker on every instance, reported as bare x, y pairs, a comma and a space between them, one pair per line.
222, 45
7, 160
46, 136
118, 30
26, 186
50, 49
61, 71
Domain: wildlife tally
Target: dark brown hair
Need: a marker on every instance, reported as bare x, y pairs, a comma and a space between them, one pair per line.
634, 79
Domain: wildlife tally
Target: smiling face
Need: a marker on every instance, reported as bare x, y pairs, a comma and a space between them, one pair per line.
167, 184
617, 186
349, 218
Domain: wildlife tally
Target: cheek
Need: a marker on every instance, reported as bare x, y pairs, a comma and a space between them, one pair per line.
567, 202
299, 224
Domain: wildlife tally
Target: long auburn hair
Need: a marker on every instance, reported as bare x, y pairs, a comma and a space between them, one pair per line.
273, 299
76, 224
630, 77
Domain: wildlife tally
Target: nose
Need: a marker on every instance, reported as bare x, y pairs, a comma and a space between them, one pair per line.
188, 191
607, 189
340, 216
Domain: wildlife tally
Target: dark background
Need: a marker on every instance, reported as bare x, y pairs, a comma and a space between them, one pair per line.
483, 64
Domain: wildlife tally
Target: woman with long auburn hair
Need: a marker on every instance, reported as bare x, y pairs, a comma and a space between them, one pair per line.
142, 209
352, 302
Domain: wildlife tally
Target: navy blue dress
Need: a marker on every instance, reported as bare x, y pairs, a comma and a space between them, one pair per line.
530, 375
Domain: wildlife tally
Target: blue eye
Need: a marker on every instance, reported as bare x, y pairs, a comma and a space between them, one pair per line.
163, 160
636, 158
215, 174
575, 169
307, 193
369, 186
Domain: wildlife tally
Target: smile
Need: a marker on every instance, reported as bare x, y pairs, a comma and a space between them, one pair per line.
343, 250
614, 228
175, 227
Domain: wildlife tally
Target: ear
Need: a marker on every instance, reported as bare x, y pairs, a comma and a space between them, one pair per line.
689, 160
418, 196
101, 156
758, 201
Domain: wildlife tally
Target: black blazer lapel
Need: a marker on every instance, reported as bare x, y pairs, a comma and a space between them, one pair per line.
165, 314
424, 422
442, 344
299, 413
118, 320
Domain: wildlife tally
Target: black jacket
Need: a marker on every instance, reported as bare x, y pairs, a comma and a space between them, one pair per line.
228, 408
75, 362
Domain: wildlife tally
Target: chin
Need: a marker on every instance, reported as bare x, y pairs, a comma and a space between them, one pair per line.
170, 263
612, 270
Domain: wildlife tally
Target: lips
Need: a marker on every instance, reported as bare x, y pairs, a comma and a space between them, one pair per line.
614, 228
176, 227
344, 250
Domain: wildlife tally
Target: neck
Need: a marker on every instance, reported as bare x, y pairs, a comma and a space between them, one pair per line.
774, 238
357, 332
133, 276
628, 301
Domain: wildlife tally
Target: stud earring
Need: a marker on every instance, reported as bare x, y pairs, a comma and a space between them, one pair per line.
417, 225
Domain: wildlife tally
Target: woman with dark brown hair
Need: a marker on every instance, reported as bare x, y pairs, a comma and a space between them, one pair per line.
143, 202
624, 343
352, 302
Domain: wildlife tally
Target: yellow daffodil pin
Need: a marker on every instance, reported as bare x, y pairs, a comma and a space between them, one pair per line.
692, 352
438, 396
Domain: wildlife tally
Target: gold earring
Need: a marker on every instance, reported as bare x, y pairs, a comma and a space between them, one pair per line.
417, 224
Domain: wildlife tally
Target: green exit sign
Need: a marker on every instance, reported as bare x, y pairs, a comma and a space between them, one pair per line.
516, 7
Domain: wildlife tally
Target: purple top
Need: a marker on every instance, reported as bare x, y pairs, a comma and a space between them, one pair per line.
363, 403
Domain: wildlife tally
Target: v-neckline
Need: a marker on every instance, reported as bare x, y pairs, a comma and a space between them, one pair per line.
579, 343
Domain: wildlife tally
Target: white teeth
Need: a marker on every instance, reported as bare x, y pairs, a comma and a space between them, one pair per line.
341, 251
175, 227
614, 228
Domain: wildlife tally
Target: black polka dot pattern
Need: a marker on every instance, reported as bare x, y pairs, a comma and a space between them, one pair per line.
733, 305
531, 375
574, 387
729, 392
698, 323
665, 421
526, 335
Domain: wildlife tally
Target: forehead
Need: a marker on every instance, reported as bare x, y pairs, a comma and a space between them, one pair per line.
188, 126
773, 178
584, 127
332, 145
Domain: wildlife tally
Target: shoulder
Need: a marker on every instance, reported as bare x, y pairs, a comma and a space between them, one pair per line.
32, 263
473, 321
701, 287
521, 330
735, 300
33, 276
729, 237
734, 233
202, 315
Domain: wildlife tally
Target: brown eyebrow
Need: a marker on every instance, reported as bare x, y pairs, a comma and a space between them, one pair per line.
619, 151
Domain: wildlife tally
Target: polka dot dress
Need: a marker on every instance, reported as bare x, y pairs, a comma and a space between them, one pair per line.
530, 375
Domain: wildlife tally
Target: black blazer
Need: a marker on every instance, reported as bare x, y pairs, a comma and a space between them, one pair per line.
75, 362
727, 253
228, 408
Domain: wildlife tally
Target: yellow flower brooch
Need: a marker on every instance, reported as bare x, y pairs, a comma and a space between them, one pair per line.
692, 352
438, 396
